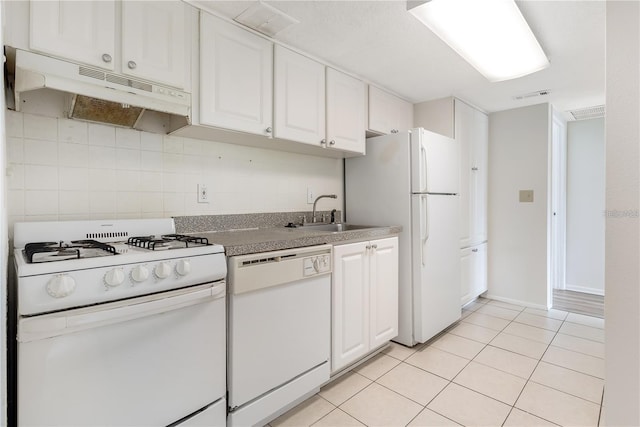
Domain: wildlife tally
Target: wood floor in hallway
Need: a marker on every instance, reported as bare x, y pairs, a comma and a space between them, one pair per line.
578, 302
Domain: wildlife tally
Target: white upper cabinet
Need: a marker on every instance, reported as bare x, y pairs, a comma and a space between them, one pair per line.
299, 98
472, 133
480, 182
82, 31
153, 41
142, 39
236, 77
388, 113
345, 112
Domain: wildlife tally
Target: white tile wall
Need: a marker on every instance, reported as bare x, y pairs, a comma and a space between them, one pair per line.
65, 169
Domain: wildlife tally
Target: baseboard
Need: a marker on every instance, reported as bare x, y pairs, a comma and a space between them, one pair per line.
516, 301
583, 289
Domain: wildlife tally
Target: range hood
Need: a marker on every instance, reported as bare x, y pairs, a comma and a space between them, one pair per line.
97, 95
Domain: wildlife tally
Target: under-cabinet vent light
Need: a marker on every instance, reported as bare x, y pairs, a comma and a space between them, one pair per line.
588, 113
532, 94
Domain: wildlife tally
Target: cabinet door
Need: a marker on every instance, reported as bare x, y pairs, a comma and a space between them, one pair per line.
350, 304
345, 112
479, 264
299, 97
383, 316
464, 136
479, 178
82, 31
388, 113
466, 285
236, 77
153, 41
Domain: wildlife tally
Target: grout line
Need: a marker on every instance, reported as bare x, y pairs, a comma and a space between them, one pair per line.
565, 392
601, 408
575, 351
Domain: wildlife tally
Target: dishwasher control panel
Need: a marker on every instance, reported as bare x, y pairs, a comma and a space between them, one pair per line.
316, 264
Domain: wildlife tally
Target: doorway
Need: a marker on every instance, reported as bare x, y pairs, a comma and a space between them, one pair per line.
577, 216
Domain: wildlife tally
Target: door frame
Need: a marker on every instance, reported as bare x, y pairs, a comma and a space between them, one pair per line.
557, 205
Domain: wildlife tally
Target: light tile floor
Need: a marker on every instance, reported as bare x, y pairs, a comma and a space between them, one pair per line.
501, 365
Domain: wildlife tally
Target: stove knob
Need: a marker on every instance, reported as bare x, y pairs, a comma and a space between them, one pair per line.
61, 286
183, 267
114, 277
139, 274
162, 270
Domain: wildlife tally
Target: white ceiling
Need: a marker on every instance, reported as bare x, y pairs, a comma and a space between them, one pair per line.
384, 44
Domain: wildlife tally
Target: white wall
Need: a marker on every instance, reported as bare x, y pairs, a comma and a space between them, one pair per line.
518, 160
622, 252
66, 169
585, 206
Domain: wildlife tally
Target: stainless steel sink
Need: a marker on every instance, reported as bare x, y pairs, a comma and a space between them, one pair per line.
334, 227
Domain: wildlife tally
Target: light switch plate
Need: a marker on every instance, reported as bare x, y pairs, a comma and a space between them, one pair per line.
526, 196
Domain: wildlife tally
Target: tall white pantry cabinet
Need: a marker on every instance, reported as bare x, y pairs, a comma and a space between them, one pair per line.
472, 132
470, 127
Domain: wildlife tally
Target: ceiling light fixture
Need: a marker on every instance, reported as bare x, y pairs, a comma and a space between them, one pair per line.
492, 35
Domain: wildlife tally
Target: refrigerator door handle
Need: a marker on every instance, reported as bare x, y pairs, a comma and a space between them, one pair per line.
424, 230
423, 169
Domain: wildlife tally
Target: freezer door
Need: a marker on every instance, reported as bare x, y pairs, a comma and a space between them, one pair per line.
436, 264
435, 163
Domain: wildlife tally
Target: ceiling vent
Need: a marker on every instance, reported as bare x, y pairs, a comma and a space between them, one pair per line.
587, 113
532, 94
265, 18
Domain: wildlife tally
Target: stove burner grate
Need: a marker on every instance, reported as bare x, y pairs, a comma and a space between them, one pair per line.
167, 241
59, 251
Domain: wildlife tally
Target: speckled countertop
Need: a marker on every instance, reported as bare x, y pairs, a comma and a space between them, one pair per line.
269, 233
244, 242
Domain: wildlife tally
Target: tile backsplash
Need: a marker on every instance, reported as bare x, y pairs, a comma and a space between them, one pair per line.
60, 169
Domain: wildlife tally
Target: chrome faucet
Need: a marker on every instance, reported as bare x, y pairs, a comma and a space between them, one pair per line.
313, 214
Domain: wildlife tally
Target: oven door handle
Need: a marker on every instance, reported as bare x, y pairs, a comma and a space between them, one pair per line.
46, 326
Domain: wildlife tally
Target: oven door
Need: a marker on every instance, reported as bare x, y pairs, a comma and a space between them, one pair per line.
147, 361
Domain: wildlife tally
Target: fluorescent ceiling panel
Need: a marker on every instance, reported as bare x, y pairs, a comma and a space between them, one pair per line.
492, 35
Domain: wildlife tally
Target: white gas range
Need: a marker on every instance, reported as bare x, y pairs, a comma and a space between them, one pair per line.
119, 323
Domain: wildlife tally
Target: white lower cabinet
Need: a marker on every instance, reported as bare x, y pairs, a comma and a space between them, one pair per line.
364, 299
473, 263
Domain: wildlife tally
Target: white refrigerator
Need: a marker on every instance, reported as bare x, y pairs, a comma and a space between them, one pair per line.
412, 179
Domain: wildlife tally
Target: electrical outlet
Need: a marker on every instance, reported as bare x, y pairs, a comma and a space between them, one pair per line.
203, 193
310, 197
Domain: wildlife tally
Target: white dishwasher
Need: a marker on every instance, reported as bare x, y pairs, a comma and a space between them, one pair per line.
279, 329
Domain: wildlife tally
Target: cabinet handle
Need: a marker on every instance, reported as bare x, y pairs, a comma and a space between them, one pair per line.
368, 247
323, 142
474, 250
132, 65
374, 246
332, 142
474, 169
269, 129
394, 130
106, 57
